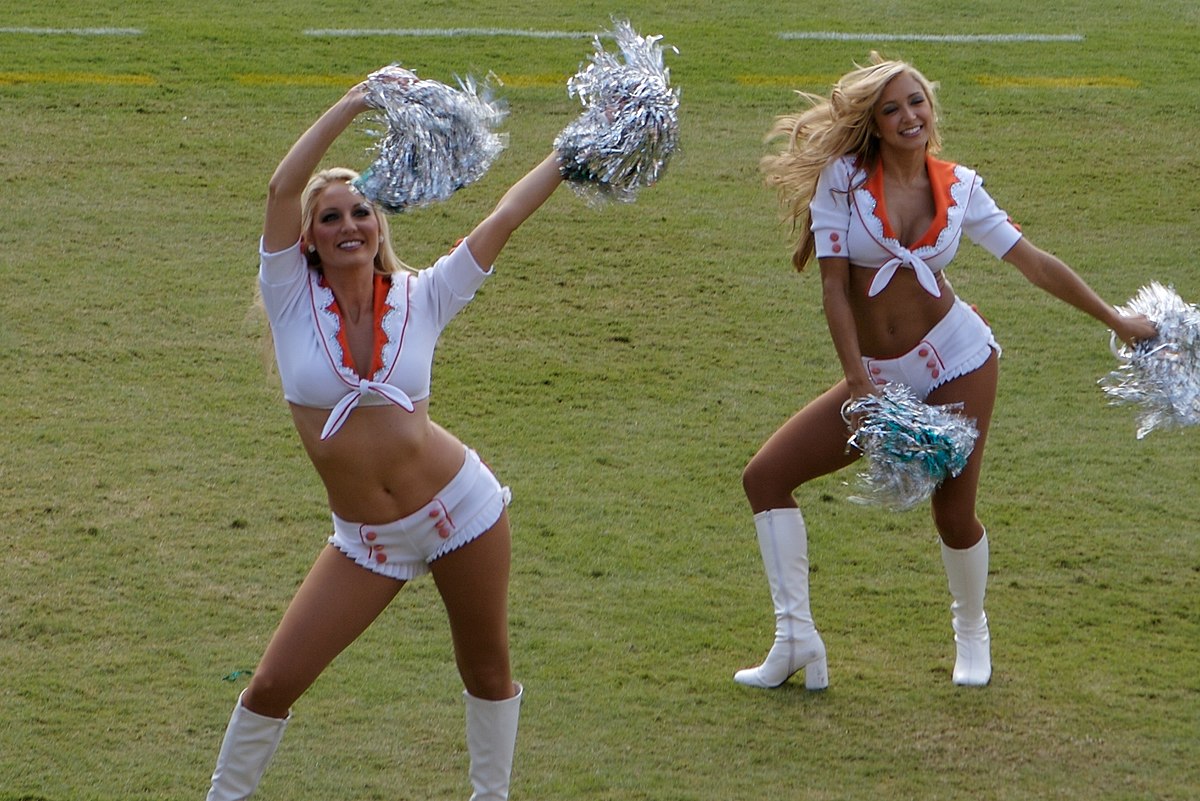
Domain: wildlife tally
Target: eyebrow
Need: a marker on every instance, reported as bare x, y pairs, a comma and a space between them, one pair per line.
916, 94
362, 204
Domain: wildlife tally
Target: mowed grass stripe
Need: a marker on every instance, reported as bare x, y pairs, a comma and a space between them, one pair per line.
990, 81
948, 38
447, 33
71, 31
515, 81
541, 80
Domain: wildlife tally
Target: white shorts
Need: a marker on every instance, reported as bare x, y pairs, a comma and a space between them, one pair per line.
959, 343
465, 508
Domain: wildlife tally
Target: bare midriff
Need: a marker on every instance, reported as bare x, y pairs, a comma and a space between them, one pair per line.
384, 463
895, 320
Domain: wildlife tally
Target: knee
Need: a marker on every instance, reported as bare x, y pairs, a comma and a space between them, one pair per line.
269, 695
491, 682
957, 530
762, 487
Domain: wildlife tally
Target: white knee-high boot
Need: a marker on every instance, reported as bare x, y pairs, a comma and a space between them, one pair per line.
250, 742
783, 542
967, 571
491, 740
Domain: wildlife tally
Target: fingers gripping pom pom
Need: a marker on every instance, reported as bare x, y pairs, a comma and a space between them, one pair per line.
438, 139
630, 126
910, 447
1160, 376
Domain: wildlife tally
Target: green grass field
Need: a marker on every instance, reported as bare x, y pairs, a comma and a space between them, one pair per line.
158, 510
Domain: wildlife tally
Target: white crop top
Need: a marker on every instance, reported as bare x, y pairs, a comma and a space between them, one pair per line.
849, 220
411, 309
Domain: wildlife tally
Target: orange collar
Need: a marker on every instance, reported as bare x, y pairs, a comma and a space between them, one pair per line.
941, 178
381, 307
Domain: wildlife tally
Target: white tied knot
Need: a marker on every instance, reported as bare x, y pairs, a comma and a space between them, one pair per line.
350, 401
906, 258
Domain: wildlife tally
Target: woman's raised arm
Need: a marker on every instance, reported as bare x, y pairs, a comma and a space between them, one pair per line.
519, 203
281, 226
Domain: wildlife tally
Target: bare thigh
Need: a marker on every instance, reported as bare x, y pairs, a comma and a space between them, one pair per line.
334, 605
473, 582
810, 444
953, 504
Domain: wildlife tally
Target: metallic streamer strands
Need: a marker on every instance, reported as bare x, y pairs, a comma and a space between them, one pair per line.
1161, 376
630, 126
438, 139
910, 447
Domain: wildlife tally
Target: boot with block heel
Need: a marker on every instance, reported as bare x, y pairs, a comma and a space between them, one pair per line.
783, 543
967, 571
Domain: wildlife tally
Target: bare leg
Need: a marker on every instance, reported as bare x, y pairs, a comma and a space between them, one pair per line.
953, 504
335, 604
964, 541
473, 582
810, 444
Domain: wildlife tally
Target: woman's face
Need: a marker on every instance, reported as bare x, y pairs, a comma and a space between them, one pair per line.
345, 229
904, 115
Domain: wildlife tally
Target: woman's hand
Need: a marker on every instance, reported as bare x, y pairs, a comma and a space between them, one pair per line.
356, 97
858, 387
1133, 328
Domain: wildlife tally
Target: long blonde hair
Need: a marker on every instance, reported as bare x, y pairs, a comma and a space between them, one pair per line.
842, 124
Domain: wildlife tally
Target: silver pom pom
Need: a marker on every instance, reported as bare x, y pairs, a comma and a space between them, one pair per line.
910, 447
1161, 376
630, 128
438, 139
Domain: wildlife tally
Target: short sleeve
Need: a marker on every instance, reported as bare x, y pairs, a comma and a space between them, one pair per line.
987, 225
830, 209
451, 282
282, 277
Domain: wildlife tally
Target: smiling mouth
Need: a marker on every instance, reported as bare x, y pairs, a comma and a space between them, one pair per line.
351, 245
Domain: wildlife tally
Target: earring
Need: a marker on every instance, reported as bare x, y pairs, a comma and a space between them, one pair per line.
312, 248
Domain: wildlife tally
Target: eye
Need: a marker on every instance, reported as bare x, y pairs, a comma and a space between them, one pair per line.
328, 217
362, 211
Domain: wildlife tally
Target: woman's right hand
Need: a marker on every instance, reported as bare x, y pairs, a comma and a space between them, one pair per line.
1134, 328
858, 387
356, 97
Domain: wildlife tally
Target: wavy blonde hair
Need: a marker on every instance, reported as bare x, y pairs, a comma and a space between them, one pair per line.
842, 124
386, 260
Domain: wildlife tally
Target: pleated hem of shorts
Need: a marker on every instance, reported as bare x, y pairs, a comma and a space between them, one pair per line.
965, 366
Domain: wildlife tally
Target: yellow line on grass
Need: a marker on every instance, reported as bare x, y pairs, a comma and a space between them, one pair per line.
93, 78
